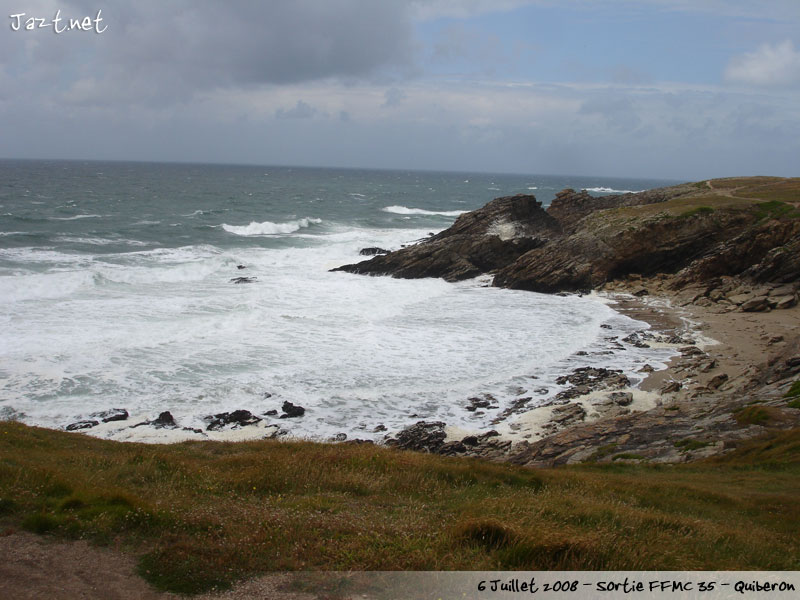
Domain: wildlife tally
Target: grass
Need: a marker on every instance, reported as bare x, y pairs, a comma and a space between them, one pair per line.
688, 444
757, 415
699, 210
766, 197
202, 515
775, 209
793, 391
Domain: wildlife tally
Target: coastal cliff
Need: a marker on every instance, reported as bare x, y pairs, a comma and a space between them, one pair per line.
724, 253
740, 227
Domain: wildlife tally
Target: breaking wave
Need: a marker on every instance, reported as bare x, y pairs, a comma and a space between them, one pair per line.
269, 228
404, 210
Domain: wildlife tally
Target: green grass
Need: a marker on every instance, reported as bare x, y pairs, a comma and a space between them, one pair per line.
774, 209
755, 415
203, 515
793, 391
688, 444
699, 210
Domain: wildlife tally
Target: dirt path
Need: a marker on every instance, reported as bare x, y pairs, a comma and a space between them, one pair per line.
36, 567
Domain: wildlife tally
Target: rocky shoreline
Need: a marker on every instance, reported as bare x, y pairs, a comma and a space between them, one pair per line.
717, 256
713, 268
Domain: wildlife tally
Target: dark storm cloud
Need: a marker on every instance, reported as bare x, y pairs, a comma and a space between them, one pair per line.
162, 50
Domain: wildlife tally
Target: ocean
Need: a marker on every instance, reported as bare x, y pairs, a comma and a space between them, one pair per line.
116, 291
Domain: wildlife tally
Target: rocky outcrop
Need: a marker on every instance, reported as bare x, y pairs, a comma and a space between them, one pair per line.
605, 248
478, 242
582, 242
714, 420
237, 418
731, 244
291, 411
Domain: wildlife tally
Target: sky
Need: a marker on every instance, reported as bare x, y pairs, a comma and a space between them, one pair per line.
673, 89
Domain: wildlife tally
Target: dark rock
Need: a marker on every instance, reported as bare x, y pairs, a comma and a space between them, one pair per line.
339, 437
478, 242
641, 292
470, 440
712, 364
243, 279
621, 398
372, 251
717, 381
605, 326
379, 428
646, 369
193, 429
291, 411
518, 405
422, 436
78, 425
240, 267
691, 351
672, 386
266, 395
451, 448
595, 378
237, 418
567, 414
757, 304
114, 414
784, 302
476, 403
271, 413
635, 340
165, 420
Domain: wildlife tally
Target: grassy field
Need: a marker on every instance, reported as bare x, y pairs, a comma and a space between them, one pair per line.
201, 515
765, 197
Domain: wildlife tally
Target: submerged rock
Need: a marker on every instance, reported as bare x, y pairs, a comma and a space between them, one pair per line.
237, 418
165, 420
114, 414
79, 425
291, 411
243, 280
372, 251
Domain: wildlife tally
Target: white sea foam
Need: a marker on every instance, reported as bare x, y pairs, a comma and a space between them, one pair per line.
76, 217
269, 228
404, 210
607, 190
356, 352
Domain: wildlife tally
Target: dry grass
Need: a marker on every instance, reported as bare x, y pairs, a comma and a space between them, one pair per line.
201, 515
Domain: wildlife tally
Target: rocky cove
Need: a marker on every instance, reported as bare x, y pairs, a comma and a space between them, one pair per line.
712, 266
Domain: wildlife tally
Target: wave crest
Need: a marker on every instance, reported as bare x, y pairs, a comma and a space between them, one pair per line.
606, 190
404, 210
269, 228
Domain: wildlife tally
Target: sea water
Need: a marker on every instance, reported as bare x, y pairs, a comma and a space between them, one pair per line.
116, 291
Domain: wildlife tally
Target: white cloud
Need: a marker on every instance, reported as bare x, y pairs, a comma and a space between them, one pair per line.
775, 65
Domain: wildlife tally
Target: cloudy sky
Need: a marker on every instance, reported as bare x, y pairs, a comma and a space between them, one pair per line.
682, 89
